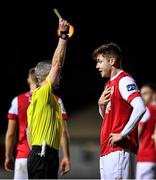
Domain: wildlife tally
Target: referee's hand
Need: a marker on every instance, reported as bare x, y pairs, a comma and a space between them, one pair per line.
65, 166
63, 26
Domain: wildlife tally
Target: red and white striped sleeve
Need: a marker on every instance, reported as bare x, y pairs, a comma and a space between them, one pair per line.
128, 88
130, 92
13, 111
64, 113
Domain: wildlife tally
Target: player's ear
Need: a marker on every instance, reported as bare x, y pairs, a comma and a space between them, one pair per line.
28, 80
112, 61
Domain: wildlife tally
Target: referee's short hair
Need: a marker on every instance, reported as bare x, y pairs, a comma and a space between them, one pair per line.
42, 69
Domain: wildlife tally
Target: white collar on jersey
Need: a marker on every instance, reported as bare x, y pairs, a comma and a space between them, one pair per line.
116, 75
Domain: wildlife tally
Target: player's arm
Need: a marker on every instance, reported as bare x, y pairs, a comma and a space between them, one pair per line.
103, 100
142, 122
138, 111
59, 54
129, 92
28, 136
10, 137
10, 144
65, 162
154, 136
140, 131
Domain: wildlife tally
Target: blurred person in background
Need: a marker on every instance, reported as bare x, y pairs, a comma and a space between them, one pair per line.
146, 157
17, 116
154, 93
121, 108
154, 102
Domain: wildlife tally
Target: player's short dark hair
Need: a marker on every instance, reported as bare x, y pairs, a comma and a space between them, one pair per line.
32, 74
108, 50
150, 85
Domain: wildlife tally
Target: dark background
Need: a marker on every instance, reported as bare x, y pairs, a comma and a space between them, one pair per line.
28, 35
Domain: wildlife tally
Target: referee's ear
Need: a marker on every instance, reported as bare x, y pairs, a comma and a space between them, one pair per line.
29, 81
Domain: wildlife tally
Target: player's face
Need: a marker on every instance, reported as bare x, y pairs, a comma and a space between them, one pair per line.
104, 66
147, 94
154, 97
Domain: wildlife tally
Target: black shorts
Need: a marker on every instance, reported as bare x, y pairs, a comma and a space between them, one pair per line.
43, 167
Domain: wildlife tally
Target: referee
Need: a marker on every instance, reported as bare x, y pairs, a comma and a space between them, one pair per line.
44, 115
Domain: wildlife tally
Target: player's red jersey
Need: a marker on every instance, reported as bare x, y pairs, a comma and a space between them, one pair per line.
116, 116
18, 111
64, 113
147, 150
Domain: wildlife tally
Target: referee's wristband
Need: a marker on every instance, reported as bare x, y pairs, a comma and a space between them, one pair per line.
64, 36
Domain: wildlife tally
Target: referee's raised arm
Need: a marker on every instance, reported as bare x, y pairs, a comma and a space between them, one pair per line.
59, 55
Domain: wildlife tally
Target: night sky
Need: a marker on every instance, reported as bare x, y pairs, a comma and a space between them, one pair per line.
28, 35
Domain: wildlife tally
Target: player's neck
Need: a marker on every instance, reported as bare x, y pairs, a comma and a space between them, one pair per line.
115, 72
32, 87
